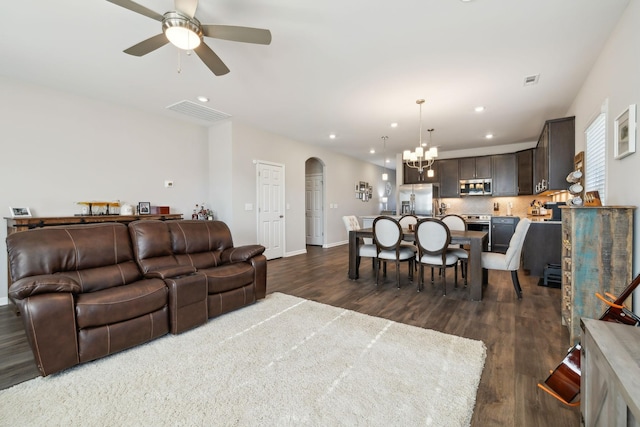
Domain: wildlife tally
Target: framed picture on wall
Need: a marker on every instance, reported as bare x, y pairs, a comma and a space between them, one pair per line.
624, 133
20, 212
144, 208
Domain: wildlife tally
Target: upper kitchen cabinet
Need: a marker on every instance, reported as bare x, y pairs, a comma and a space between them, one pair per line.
525, 172
412, 176
475, 167
554, 155
449, 178
504, 175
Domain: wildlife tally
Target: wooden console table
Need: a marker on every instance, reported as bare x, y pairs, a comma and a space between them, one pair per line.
15, 225
610, 374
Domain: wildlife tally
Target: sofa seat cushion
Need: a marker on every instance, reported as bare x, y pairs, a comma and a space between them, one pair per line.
120, 303
228, 276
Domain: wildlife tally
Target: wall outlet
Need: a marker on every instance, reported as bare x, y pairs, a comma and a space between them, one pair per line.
168, 184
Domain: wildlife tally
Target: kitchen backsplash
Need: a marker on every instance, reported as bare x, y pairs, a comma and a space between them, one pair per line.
484, 204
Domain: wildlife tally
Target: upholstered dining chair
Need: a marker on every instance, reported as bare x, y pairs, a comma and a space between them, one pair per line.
387, 236
456, 222
433, 238
509, 261
368, 249
405, 222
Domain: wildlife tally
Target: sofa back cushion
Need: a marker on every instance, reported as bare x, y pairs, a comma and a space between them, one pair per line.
97, 256
152, 245
199, 243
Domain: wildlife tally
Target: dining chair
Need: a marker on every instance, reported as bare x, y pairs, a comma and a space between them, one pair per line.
509, 261
368, 249
433, 238
387, 236
456, 222
409, 221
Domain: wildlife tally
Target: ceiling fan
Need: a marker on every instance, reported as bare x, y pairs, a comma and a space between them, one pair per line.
182, 29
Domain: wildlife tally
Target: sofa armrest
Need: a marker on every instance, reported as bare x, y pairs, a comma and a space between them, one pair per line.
241, 253
169, 272
42, 284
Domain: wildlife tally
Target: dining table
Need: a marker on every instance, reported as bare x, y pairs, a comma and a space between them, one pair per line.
477, 241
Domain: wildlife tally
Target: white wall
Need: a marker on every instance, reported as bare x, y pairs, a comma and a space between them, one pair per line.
615, 79
58, 149
250, 144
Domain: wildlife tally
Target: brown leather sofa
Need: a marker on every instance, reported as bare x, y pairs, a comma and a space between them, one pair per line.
83, 294
235, 276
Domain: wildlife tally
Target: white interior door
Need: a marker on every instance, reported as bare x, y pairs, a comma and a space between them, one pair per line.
314, 209
271, 208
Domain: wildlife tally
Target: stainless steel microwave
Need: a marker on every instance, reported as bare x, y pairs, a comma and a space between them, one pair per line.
475, 187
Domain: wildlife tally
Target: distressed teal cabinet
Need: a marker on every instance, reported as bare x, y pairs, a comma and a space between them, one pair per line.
597, 249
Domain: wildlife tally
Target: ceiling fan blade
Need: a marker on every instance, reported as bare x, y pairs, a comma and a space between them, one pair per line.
211, 60
237, 34
188, 7
148, 45
135, 7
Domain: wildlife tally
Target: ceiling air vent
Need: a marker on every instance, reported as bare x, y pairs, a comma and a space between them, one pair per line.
198, 111
531, 80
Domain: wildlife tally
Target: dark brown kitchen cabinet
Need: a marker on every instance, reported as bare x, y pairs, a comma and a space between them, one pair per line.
504, 175
525, 172
449, 178
412, 176
475, 167
554, 155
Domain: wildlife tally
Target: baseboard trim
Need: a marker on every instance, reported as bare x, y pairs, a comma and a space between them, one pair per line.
294, 253
333, 245
4, 301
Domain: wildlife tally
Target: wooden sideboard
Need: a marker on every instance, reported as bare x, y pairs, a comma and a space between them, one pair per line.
597, 251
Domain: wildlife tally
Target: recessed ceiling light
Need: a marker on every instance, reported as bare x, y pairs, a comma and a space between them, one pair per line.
387, 161
479, 109
394, 125
489, 136
202, 98
332, 135
372, 151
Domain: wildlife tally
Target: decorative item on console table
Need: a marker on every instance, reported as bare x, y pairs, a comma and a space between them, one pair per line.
20, 212
144, 208
201, 213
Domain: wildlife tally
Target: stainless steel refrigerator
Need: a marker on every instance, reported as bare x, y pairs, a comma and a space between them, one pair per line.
418, 199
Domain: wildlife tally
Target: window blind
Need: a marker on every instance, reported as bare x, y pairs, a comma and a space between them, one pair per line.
595, 155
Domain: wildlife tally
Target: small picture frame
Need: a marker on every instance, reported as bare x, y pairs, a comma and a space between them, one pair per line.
624, 132
144, 208
20, 212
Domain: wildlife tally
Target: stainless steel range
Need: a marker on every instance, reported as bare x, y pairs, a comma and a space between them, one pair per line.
479, 222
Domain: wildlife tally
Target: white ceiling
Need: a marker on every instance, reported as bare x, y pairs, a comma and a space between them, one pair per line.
334, 66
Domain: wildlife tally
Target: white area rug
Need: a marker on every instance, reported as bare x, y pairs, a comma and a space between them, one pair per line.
282, 361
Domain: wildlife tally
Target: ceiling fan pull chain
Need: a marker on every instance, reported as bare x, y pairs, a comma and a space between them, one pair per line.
179, 62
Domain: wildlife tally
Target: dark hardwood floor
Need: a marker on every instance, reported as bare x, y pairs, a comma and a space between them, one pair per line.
524, 339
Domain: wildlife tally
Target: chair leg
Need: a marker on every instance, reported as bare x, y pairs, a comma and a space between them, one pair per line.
398, 274
432, 281
376, 262
516, 283
420, 277
444, 279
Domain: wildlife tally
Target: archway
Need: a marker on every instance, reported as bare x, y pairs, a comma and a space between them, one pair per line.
314, 201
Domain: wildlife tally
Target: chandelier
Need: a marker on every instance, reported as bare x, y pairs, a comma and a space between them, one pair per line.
423, 156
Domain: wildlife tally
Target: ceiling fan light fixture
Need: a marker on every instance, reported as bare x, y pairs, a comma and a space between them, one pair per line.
182, 31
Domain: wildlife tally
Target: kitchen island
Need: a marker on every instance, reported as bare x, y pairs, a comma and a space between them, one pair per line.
542, 246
